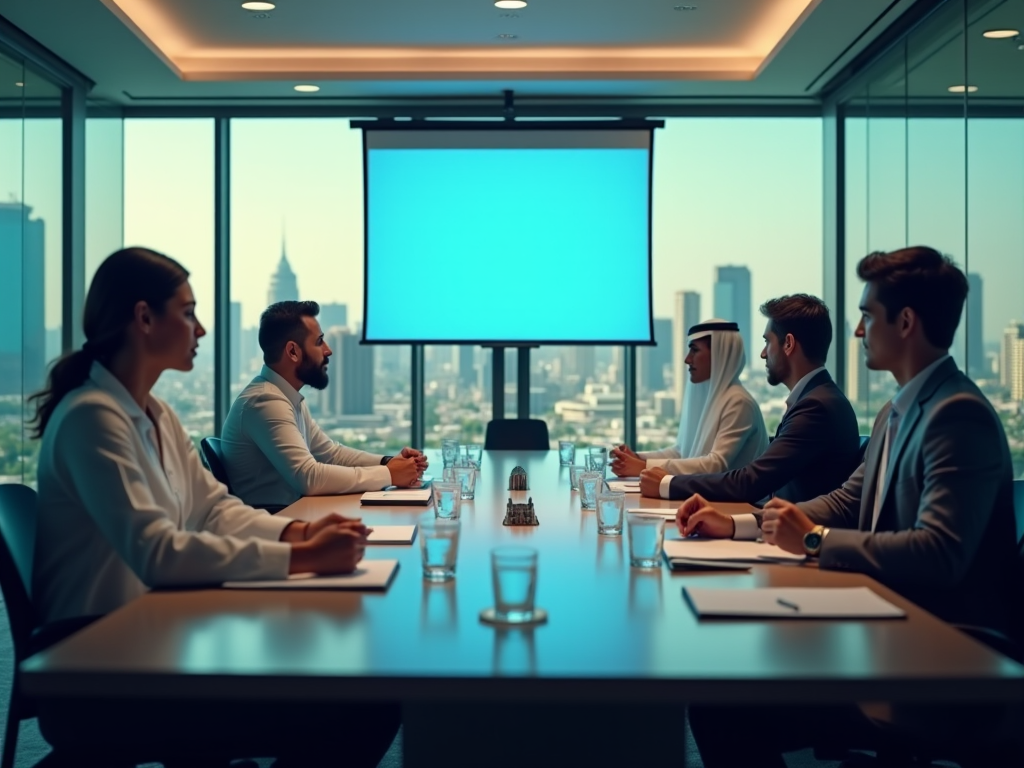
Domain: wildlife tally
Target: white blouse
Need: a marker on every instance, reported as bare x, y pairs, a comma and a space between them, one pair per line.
114, 520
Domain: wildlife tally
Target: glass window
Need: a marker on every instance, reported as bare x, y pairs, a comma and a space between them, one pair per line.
297, 234
168, 206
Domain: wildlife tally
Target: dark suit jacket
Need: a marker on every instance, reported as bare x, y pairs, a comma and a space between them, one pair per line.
945, 536
815, 449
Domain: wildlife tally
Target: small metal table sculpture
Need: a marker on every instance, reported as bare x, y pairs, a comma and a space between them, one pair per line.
520, 514
517, 480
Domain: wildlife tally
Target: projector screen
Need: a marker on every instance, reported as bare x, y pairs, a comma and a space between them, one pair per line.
508, 236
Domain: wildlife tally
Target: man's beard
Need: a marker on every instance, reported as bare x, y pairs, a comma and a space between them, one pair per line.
774, 375
313, 375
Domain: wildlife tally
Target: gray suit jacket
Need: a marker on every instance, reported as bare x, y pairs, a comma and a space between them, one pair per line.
945, 536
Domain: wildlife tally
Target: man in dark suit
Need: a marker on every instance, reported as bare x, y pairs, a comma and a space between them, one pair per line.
816, 445
929, 512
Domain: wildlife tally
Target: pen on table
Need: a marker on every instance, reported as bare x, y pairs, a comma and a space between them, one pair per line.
786, 604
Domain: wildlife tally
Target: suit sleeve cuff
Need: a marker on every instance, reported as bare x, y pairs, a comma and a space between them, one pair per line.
747, 528
665, 487
654, 463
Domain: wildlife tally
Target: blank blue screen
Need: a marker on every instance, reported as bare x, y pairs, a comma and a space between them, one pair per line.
506, 245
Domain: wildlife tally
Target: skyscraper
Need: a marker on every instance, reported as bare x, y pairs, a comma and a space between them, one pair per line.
732, 301
350, 391
283, 284
651, 361
462, 362
977, 366
236, 341
579, 361
333, 315
22, 301
1011, 361
856, 371
686, 316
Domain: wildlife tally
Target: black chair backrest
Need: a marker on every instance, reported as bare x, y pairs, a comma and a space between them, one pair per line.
1018, 511
213, 457
864, 440
17, 550
517, 435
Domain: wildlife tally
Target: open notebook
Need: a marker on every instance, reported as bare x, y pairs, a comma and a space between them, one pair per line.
791, 603
727, 549
371, 574
417, 497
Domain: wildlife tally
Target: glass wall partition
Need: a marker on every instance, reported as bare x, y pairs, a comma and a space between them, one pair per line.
935, 156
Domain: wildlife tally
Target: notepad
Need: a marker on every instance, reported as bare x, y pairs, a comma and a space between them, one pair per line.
418, 497
727, 549
371, 574
620, 486
663, 511
392, 534
791, 603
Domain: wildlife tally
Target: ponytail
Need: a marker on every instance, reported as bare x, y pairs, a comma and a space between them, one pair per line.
125, 278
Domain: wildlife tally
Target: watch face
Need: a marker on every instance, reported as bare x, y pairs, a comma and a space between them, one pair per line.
812, 540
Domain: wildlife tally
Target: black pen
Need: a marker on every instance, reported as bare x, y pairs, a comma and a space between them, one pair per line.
786, 604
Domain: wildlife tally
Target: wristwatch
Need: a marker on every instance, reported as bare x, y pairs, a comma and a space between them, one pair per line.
385, 460
813, 540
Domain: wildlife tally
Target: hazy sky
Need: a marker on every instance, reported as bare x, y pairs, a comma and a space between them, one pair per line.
726, 191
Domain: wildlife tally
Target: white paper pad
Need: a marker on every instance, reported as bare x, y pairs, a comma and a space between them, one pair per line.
809, 602
727, 549
413, 496
663, 511
371, 574
620, 486
392, 534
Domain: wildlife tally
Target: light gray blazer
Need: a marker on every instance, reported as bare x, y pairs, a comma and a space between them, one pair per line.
945, 536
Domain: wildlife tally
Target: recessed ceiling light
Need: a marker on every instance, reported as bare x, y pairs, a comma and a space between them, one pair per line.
684, 7
510, 4
20, 85
1000, 34
307, 88
962, 88
258, 6
507, 36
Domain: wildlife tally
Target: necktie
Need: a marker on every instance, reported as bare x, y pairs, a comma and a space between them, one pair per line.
891, 429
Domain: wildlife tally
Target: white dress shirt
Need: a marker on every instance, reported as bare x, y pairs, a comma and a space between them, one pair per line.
740, 438
275, 453
114, 519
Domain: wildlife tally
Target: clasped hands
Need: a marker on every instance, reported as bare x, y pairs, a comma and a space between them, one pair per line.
626, 463
331, 544
407, 468
783, 523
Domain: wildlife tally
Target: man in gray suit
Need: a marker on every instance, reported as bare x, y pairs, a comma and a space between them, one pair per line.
929, 512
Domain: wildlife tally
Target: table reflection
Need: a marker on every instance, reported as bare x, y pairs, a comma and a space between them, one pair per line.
515, 654
439, 607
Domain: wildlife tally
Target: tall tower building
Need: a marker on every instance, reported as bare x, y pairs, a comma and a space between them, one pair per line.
22, 301
579, 361
350, 391
686, 316
651, 361
235, 342
732, 301
283, 284
1011, 362
977, 365
856, 371
333, 315
462, 362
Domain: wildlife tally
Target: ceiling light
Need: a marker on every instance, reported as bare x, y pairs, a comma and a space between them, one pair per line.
20, 85
507, 36
1000, 34
258, 6
962, 88
307, 88
684, 7
510, 4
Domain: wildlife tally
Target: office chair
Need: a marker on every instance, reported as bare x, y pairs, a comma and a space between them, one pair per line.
864, 440
213, 458
517, 435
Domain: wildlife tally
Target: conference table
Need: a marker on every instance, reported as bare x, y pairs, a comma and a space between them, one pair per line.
621, 649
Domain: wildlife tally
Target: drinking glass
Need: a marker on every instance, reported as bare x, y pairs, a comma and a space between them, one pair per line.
514, 571
448, 500
598, 460
473, 452
439, 547
466, 477
610, 507
590, 484
574, 476
566, 452
449, 451
646, 534
448, 474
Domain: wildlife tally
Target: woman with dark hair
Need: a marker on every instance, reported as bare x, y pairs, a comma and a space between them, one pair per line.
124, 502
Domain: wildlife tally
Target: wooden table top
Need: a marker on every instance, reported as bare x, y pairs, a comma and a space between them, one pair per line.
614, 633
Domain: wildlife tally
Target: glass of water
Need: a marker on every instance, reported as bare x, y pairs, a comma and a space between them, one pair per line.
448, 500
439, 546
514, 571
610, 508
566, 452
574, 476
591, 484
449, 451
465, 475
598, 460
646, 535
473, 453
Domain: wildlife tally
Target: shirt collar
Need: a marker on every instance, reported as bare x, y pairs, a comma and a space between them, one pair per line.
801, 385
279, 381
908, 393
110, 384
